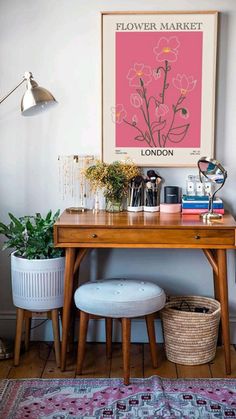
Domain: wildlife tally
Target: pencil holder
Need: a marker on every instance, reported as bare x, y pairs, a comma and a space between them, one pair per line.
135, 195
151, 197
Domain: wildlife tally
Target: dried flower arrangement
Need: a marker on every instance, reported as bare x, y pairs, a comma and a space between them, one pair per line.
112, 178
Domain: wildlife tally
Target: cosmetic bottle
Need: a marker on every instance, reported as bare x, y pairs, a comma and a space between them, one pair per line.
190, 185
199, 187
208, 187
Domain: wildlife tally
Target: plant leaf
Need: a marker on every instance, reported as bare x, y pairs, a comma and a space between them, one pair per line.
177, 134
158, 126
31, 236
139, 138
15, 220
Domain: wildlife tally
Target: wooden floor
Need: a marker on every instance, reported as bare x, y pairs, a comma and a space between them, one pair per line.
39, 362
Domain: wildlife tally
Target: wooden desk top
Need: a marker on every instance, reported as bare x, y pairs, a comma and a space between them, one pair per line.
125, 219
127, 229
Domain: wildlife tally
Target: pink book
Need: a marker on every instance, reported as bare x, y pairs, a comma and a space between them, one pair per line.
200, 210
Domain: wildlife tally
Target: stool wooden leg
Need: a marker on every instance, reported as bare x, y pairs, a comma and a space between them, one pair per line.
152, 338
83, 326
56, 334
126, 328
19, 326
108, 322
27, 330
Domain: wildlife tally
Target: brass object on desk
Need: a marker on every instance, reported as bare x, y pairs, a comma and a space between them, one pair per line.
75, 210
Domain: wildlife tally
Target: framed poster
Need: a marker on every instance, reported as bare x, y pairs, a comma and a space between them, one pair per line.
158, 87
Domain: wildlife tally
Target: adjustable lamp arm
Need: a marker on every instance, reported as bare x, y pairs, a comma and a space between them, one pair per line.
27, 76
8, 94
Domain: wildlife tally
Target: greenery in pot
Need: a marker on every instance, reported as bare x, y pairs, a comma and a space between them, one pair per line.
31, 236
112, 178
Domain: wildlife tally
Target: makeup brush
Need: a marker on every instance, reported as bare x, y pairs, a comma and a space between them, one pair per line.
155, 179
132, 192
137, 180
151, 174
149, 195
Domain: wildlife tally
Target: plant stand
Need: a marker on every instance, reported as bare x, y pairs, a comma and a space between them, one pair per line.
37, 286
26, 316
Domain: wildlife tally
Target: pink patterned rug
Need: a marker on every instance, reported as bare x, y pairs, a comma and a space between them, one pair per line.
152, 397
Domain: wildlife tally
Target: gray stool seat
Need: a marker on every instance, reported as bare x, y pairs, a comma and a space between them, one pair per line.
119, 298
123, 299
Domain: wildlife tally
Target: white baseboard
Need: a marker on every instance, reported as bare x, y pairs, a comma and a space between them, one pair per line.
96, 332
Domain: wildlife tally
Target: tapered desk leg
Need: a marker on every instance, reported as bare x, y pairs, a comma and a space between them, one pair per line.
217, 296
223, 297
68, 288
78, 259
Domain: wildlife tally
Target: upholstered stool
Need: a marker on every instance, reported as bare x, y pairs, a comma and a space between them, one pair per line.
118, 298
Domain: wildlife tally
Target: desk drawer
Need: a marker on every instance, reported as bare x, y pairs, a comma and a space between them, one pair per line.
147, 236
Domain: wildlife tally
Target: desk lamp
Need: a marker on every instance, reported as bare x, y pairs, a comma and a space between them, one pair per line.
35, 100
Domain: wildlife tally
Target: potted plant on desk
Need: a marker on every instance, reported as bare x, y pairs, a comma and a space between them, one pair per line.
37, 268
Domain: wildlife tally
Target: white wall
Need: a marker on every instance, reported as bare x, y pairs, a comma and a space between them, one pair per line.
59, 41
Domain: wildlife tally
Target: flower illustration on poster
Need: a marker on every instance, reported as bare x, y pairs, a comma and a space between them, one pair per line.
158, 90
118, 114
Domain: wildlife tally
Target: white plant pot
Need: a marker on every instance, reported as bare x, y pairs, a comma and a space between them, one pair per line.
37, 285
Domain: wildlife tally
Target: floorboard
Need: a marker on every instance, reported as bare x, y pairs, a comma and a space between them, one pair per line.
217, 365
96, 365
165, 368
32, 363
136, 361
52, 371
5, 368
193, 371
39, 362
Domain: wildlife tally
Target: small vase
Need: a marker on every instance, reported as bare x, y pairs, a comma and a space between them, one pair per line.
113, 205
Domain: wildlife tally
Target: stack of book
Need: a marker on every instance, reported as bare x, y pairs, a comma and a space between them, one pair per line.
198, 204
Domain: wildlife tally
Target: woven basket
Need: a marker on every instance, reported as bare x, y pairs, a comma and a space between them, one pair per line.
190, 337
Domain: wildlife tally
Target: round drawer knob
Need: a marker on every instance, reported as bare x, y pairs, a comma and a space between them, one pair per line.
197, 237
94, 236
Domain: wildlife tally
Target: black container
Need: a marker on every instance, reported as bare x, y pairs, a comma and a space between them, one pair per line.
171, 194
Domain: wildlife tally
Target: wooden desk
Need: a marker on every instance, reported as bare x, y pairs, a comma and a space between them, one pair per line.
79, 232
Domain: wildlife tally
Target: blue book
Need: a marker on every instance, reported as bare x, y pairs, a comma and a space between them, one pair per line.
195, 198
202, 205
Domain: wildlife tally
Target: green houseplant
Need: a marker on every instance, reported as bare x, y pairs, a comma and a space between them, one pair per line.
37, 268
31, 236
37, 272
113, 179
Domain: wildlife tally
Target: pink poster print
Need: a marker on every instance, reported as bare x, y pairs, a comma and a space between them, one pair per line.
158, 89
